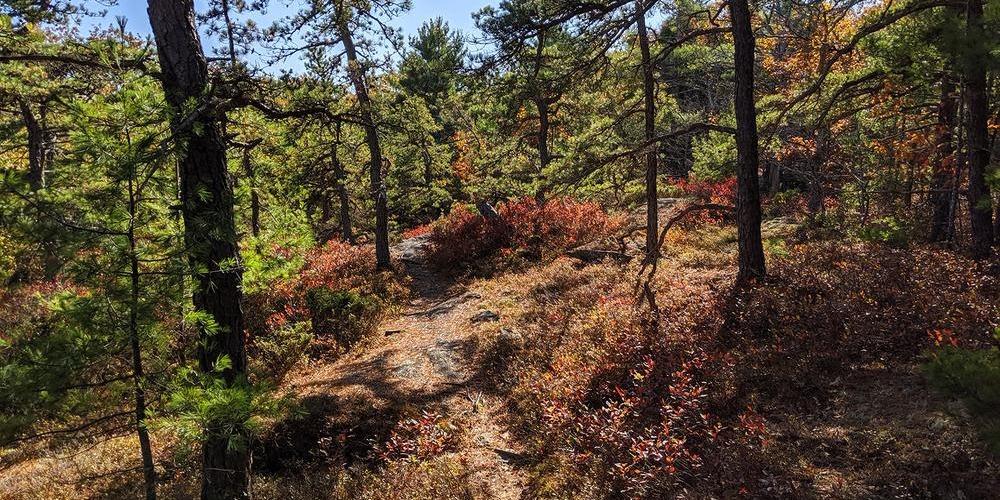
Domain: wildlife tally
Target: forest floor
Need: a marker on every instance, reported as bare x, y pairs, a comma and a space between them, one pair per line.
872, 430
423, 363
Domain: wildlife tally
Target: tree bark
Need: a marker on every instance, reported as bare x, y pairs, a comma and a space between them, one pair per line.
254, 195
815, 202
209, 232
944, 165
542, 103
544, 157
229, 32
649, 115
37, 155
340, 175
138, 375
977, 135
748, 214
357, 77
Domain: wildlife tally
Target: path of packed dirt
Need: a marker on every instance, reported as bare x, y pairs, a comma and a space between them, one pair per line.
424, 362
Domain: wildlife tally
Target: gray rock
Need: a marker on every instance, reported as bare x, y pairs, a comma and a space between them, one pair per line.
486, 317
510, 337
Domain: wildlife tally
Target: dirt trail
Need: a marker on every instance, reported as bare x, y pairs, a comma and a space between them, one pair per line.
426, 361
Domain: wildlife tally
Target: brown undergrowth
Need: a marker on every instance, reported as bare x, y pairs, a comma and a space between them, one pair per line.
805, 386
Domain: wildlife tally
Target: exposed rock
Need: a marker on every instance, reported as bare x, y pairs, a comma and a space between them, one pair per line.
778, 228
446, 358
509, 337
486, 317
407, 370
446, 306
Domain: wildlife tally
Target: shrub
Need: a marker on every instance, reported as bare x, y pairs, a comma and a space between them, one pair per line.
463, 236
337, 297
785, 203
973, 376
277, 351
610, 404
558, 225
722, 192
827, 307
713, 191
888, 230
525, 228
417, 231
422, 438
344, 315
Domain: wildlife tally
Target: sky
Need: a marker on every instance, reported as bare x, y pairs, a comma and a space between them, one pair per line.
458, 14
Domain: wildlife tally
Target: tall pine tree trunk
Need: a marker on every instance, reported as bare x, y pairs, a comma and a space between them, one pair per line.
36, 146
544, 157
751, 248
343, 197
942, 182
357, 76
977, 133
649, 120
209, 233
138, 374
542, 104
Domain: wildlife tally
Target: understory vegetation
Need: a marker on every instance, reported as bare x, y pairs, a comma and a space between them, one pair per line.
599, 249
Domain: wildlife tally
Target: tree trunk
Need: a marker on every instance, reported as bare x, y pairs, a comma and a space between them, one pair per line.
254, 195
542, 103
40, 155
357, 76
544, 157
944, 164
425, 155
36, 147
748, 216
343, 196
977, 106
229, 32
138, 375
774, 177
209, 233
649, 115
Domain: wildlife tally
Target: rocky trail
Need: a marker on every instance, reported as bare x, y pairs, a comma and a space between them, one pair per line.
425, 361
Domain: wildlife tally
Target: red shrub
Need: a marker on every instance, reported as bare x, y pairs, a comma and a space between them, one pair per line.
337, 273
633, 410
558, 225
636, 412
417, 231
829, 306
722, 192
463, 236
420, 438
524, 226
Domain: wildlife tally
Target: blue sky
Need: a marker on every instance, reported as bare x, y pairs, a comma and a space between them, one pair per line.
458, 13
